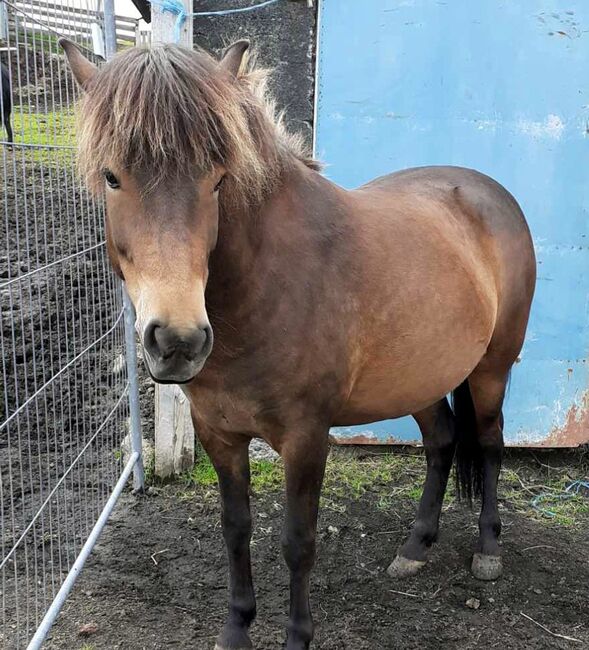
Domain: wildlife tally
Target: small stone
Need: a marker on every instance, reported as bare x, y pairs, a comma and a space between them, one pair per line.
491, 600
473, 603
537, 591
87, 629
332, 530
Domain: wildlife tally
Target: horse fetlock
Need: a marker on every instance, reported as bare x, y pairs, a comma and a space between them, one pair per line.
233, 637
241, 616
299, 637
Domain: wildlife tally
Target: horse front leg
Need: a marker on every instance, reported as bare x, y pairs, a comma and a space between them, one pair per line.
231, 463
304, 462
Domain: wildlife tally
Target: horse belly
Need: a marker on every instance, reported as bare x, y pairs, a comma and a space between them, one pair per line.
393, 387
402, 371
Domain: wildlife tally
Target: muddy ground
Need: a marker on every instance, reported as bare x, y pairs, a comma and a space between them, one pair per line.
157, 578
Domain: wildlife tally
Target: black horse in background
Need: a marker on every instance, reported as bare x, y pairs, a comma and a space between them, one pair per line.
5, 101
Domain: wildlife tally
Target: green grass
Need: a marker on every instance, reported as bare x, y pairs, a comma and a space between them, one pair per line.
389, 477
518, 488
55, 128
345, 476
265, 474
39, 40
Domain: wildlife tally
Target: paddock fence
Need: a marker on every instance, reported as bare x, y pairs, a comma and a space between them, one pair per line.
68, 392
76, 21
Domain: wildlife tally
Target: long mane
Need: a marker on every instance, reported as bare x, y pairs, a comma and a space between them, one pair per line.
167, 111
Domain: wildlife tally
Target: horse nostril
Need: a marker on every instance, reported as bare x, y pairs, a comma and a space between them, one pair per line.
167, 341
150, 342
197, 343
208, 340
160, 341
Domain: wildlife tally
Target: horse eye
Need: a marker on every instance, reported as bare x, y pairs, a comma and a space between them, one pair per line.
218, 185
111, 180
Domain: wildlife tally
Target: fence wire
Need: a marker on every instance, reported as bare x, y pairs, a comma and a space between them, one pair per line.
64, 387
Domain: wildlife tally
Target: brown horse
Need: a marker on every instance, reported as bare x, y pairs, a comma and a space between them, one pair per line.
329, 307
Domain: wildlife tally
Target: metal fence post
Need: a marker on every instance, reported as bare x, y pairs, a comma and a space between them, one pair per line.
110, 29
134, 414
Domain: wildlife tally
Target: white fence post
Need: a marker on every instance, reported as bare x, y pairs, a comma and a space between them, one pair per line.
174, 435
3, 22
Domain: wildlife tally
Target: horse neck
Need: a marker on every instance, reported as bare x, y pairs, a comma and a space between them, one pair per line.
304, 213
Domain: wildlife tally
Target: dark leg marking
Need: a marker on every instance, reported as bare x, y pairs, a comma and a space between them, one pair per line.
232, 467
304, 461
437, 428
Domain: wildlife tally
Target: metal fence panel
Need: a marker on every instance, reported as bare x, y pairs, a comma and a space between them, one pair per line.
64, 393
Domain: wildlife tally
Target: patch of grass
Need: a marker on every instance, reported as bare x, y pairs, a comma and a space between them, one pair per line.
265, 474
387, 475
55, 128
543, 495
391, 477
38, 40
203, 473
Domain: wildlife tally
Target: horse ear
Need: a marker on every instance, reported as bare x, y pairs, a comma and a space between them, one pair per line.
83, 70
232, 58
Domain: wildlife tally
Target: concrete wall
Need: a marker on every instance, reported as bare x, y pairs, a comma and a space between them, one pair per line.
284, 35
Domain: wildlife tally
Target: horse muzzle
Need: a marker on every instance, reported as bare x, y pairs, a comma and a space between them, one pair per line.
176, 356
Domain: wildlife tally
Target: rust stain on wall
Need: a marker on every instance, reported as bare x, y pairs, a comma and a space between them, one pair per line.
575, 430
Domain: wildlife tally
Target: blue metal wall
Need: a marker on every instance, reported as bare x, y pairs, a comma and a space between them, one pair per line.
503, 87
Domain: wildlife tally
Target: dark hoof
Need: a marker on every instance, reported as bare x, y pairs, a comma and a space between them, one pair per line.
226, 647
401, 567
486, 567
232, 638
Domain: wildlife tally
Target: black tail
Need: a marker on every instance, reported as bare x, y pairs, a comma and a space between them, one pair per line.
469, 467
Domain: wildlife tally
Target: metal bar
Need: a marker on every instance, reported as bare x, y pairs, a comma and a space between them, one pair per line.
134, 415
110, 31
24, 145
74, 572
48, 266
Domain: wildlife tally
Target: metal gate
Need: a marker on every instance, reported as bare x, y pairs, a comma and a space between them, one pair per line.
503, 87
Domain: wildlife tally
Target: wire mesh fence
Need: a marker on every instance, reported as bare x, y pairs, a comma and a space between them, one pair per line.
64, 406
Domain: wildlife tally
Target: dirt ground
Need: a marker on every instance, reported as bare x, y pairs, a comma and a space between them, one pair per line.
158, 576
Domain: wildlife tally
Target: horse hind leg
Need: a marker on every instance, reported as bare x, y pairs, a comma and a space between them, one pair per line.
439, 438
478, 407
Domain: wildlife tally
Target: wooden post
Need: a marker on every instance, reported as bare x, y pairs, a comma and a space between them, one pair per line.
174, 435
163, 26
